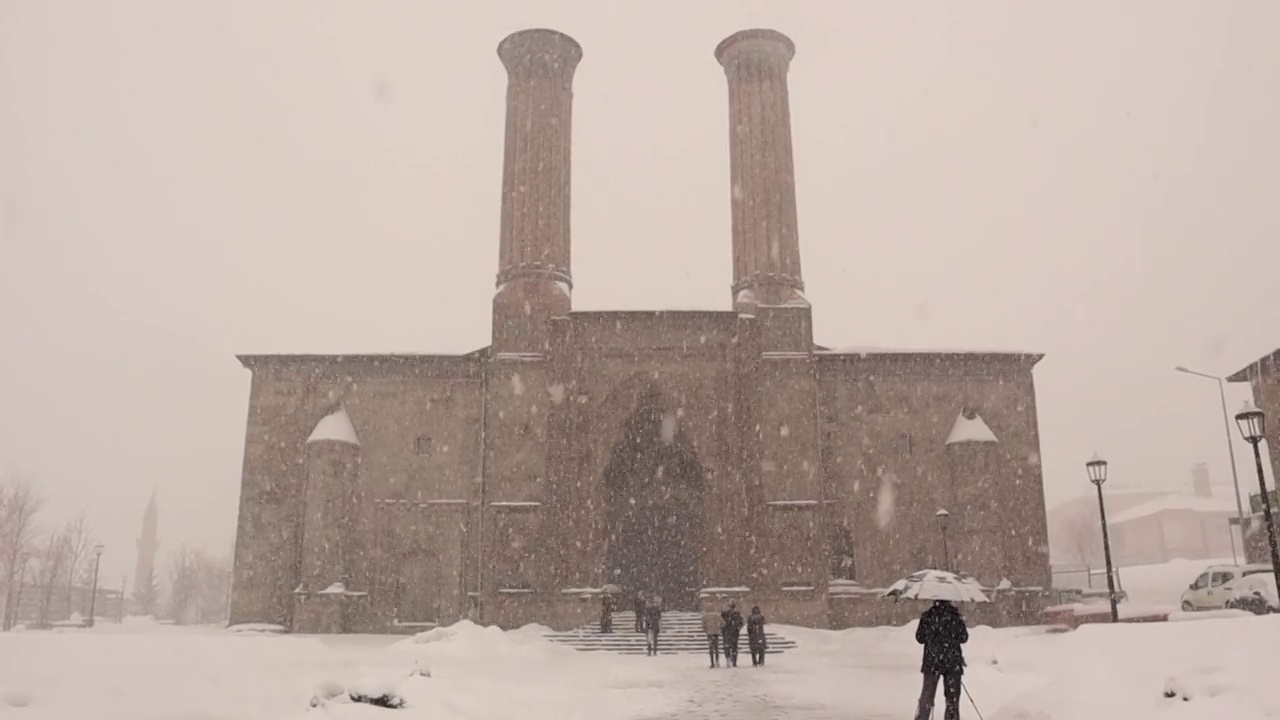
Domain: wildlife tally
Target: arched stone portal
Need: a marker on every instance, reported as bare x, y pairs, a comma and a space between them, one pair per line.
654, 485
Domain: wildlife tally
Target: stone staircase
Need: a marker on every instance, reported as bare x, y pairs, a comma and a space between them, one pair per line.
681, 634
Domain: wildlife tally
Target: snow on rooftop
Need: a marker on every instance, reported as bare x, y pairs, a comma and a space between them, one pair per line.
970, 430
335, 426
1177, 501
876, 350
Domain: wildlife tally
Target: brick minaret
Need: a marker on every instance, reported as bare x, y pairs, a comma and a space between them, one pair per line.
766, 246
534, 282
777, 430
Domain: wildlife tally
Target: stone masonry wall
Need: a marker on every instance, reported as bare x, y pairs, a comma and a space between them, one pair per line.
889, 470
270, 497
418, 424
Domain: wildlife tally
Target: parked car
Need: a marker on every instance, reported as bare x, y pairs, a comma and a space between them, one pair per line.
1255, 593
1212, 588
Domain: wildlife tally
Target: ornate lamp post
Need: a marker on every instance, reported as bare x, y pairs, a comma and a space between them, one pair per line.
93, 596
942, 516
1097, 469
1253, 425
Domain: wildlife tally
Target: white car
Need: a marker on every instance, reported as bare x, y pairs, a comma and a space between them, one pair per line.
1212, 589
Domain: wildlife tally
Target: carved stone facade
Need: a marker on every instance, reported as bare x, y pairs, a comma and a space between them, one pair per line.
671, 452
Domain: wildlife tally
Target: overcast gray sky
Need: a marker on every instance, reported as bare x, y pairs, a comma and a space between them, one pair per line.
180, 182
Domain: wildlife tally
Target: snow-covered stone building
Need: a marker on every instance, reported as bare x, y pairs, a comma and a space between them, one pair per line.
692, 454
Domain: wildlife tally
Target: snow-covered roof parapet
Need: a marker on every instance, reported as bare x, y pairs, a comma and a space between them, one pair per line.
867, 352
335, 427
970, 430
1257, 368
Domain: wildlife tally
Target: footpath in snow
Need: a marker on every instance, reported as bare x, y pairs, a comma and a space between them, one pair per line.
1215, 667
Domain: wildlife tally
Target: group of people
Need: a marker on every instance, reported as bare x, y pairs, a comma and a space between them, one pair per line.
941, 631
720, 626
727, 626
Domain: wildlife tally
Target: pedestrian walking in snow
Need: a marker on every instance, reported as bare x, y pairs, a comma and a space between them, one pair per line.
652, 623
732, 627
755, 636
941, 631
639, 608
607, 605
712, 624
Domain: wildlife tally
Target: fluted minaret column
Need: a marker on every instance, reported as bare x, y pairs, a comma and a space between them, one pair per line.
534, 282
766, 245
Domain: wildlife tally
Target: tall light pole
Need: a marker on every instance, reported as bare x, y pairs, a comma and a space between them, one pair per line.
942, 516
1253, 426
93, 596
1231, 450
1097, 469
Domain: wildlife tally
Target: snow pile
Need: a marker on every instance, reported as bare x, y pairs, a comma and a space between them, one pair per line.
468, 640
1215, 668
58, 676
1208, 669
256, 628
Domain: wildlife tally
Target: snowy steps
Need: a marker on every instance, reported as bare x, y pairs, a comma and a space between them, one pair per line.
681, 635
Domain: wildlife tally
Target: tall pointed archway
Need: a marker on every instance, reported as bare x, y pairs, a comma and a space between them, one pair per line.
655, 513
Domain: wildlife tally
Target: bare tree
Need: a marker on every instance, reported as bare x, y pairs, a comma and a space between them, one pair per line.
49, 562
198, 587
79, 537
183, 586
19, 504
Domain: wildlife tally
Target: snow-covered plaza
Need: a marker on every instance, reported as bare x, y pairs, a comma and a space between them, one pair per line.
1212, 665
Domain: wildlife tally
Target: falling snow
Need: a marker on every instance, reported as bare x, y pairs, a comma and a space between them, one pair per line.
668, 430
885, 499
557, 393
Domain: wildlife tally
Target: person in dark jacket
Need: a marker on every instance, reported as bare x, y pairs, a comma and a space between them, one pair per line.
607, 605
639, 608
755, 636
732, 627
652, 623
941, 631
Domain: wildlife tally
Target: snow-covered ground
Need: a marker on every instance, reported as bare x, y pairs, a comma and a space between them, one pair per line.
1221, 666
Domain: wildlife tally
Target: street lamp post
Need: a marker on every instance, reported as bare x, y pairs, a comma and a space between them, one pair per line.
942, 516
1253, 425
1097, 469
93, 596
1231, 450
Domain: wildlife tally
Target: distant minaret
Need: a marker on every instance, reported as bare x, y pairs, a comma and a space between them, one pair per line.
148, 544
